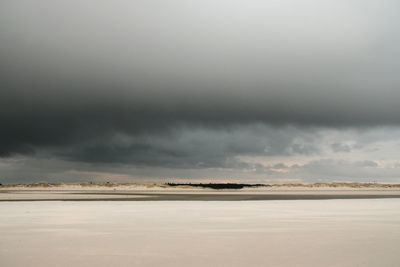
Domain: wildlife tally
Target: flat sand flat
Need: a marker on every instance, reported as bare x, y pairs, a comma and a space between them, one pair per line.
192, 195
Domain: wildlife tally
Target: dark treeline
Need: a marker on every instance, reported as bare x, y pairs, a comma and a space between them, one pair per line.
218, 185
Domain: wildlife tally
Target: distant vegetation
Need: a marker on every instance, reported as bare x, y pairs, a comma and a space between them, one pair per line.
217, 185
204, 185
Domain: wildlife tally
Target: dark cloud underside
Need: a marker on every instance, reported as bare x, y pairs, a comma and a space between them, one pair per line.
187, 84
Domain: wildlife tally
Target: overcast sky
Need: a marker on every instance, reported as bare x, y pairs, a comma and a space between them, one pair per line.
214, 90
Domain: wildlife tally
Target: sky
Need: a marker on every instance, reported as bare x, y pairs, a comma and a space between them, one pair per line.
254, 91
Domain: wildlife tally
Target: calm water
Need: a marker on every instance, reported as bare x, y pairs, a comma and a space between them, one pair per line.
182, 233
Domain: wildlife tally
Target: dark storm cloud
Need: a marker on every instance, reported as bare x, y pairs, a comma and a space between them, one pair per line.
76, 75
193, 148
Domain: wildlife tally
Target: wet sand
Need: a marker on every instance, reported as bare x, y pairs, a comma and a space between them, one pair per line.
192, 195
339, 232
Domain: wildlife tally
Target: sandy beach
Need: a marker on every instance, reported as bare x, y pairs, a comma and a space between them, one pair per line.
339, 232
141, 226
140, 193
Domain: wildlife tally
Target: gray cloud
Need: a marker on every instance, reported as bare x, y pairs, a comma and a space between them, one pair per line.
345, 170
194, 148
340, 147
194, 85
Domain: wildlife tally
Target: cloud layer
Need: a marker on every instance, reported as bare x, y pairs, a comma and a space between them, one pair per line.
186, 85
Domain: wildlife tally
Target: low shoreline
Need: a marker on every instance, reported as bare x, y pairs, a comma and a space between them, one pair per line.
116, 194
198, 186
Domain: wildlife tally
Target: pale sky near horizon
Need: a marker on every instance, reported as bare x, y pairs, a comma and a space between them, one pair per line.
183, 90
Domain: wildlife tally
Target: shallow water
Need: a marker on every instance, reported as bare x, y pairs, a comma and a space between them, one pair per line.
364, 232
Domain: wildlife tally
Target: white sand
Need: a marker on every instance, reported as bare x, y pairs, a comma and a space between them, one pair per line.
363, 232
58, 195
